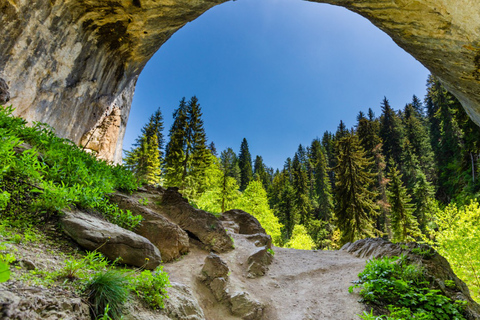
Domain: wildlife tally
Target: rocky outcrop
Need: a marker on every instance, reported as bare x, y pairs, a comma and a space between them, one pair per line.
182, 304
214, 275
436, 268
258, 262
198, 223
19, 302
80, 60
169, 238
244, 306
114, 242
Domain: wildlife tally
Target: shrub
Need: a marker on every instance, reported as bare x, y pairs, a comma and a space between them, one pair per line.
151, 287
109, 288
400, 286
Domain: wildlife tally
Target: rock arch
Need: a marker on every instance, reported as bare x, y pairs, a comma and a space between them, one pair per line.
74, 63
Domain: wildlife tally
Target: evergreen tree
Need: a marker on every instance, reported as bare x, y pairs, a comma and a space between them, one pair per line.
284, 202
300, 185
356, 209
260, 172
424, 199
404, 224
383, 222
329, 147
231, 176
153, 127
448, 147
322, 191
391, 133
175, 149
213, 149
187, 155
342, 131
245, 164
144, 160
368, 133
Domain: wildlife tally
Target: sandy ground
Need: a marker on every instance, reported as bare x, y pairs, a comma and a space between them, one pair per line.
300, 284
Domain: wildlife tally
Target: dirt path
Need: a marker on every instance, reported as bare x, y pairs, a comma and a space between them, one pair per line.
300, 284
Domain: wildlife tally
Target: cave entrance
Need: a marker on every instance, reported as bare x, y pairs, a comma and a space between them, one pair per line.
277, 72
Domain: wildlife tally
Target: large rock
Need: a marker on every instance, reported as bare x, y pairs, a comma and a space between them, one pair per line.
114, 242
182, 304
258, 262
246, 307
169, 238
198, 223
80, 59
247, 223
436, 268
215, 276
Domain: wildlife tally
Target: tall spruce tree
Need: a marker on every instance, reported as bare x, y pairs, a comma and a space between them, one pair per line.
231, 171
391, 132
321, 191
356, 209
145, 165
175, 149
300, 185
187, 155
404, 223
260, 172
245, 165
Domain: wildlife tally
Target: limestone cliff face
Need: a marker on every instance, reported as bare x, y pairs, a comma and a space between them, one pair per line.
74, 63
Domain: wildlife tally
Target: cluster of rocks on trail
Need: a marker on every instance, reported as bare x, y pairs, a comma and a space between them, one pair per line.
221, 268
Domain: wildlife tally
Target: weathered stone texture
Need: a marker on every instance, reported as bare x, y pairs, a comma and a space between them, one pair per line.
74, 64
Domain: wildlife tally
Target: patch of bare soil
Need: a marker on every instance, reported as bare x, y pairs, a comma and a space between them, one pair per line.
300, 284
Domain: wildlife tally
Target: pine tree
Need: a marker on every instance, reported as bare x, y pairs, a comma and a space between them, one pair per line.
175, 149
231, 176
322, 191
356, 209
391, 133
153, 127
424, 199
213, 149
404, 224
144, 160
260, 172
300, 186
187, 156
245, 164
368, 133
283, 202
329, 147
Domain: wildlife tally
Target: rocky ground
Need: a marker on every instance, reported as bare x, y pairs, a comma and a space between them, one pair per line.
220, 268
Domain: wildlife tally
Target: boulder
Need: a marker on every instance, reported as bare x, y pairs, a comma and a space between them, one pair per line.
260, 239
4, 94
244, 306
199, 224
214, 267
168, 237
258, 262
114, 242
182, 304
247, 223
436, 268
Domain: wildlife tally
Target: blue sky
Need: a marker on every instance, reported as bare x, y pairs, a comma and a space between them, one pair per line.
277, 72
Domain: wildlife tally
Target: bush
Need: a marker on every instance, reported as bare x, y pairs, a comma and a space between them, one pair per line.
402, 288
151, 287
107, 291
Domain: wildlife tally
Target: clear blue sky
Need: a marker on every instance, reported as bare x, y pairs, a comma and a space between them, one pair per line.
277, 72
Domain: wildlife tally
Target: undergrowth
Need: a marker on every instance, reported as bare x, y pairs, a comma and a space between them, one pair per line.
42, 174
401, 288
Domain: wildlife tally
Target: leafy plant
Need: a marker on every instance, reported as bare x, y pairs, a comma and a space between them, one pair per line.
401, 286
151, 287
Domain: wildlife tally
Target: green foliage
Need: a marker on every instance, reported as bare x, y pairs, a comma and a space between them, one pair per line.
151, 286
404, 224
245, 165
300, 239
54, 174
401, 286
356, 208
4, 271
456, 236
107, 288
254, 201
